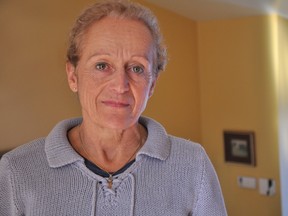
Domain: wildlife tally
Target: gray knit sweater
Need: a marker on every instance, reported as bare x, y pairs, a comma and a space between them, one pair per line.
171, 176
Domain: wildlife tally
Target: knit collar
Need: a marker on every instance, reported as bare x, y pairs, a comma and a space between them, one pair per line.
157, 144
60, 153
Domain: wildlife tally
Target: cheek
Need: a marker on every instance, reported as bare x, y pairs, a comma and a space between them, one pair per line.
87, 99
90, 84
88, 92
142, 96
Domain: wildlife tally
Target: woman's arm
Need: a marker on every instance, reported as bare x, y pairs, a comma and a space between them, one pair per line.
7, 201
210, 200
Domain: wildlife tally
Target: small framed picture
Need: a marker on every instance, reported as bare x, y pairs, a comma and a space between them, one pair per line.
240, 147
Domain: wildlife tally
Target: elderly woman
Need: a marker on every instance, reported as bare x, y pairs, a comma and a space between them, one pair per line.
111, 161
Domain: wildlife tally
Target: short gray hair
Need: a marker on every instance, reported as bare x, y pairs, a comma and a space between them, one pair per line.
120, 9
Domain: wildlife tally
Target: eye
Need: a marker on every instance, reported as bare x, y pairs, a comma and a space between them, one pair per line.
101, 66
137, 69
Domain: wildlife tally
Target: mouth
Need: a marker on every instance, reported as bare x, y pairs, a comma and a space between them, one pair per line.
116, 104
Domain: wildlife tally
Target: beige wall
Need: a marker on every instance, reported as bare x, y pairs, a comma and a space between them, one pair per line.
219, 77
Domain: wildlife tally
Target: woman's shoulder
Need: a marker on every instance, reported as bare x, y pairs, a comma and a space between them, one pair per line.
185, 145
26, 151
38, 148
177, 146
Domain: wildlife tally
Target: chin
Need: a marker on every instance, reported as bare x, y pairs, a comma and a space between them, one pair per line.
121, 123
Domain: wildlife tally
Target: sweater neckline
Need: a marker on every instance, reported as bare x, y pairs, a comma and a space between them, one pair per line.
60, 153
98, 171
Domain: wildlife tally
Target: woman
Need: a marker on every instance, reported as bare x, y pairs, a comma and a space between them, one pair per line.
111, 161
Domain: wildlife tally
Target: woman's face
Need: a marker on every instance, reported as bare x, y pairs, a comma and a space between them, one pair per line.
114, 76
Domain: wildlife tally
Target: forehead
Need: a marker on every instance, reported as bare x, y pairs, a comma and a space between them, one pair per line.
112, 32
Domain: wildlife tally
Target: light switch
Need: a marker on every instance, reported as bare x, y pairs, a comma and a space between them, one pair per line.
267, 187
247, 182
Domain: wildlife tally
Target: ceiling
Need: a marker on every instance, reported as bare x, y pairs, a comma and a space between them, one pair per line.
222, 9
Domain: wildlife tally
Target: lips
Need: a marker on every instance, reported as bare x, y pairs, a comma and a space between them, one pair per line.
116, 104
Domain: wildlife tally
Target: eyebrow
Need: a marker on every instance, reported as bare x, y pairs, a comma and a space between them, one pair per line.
98, 54
141, 56
107, 54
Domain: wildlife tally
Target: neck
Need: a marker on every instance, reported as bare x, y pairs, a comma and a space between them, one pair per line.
109, 149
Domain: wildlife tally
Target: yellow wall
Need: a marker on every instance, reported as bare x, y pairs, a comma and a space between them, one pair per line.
33, 90
176, 100
238, 93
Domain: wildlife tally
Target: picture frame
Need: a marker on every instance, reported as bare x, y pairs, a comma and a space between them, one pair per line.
239, 147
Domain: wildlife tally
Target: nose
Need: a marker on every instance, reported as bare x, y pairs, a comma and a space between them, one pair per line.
120, 83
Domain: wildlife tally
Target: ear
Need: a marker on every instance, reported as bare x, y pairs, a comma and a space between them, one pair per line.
153, 86
71, 76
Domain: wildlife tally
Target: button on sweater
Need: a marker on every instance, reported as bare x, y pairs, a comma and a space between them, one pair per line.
171, 176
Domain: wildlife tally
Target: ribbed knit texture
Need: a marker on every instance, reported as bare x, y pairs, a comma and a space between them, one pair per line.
171, 177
